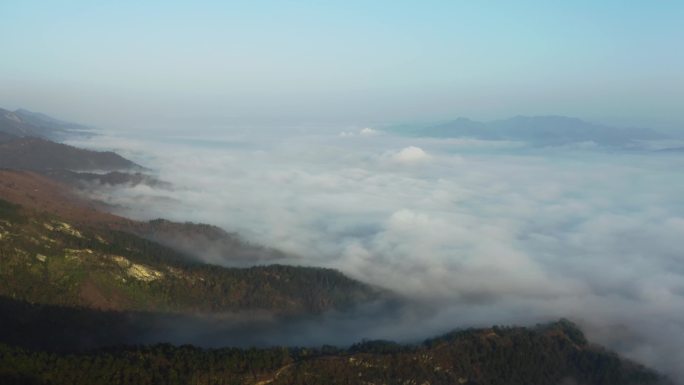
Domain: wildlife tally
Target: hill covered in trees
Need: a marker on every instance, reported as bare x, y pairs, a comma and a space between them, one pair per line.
550, 354
44, 259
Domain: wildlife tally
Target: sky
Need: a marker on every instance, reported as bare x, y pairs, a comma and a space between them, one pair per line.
162, 64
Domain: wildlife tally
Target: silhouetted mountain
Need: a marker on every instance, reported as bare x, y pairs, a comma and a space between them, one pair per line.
539, 130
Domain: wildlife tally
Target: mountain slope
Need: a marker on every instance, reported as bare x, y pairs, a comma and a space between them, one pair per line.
40, 154
41, 120
23, 123
44, 259
550, 354
4, 137
44, 195
205, 243
13, 124
27, 143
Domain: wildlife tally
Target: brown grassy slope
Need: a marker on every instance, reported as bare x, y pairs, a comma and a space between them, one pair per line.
207, 243
36, 192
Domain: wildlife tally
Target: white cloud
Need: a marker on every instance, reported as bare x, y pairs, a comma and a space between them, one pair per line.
368, 132
411, 154
493, 236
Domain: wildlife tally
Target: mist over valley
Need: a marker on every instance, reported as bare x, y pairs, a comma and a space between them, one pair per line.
341, 192
475, 231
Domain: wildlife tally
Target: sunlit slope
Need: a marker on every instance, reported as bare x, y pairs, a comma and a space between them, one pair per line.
44, 259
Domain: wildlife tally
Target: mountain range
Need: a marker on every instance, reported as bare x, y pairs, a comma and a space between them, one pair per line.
84, 292
535, 130
23, 123
31, 141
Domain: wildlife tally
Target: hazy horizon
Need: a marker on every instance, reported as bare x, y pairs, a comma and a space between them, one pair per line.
175, 65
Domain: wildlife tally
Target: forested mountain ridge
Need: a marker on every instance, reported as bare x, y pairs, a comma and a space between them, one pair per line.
552, 354
44, 259
41, 155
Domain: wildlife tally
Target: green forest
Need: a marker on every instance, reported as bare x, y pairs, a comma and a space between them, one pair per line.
546, 354
76, 301
48, 261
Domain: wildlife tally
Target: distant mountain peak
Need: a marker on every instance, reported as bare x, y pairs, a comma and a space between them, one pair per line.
23, 123
541, 130
39, 116
23, 111
463, 119
547, 118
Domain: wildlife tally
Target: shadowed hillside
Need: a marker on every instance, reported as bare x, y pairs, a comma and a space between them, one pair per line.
551, 354
28, 142
40, 154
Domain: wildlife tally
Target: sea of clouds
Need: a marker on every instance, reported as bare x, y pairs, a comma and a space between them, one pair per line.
477, 232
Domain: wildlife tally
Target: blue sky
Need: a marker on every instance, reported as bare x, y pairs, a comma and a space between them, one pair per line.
125, 62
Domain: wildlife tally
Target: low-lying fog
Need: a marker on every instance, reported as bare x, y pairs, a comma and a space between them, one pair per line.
477, 232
